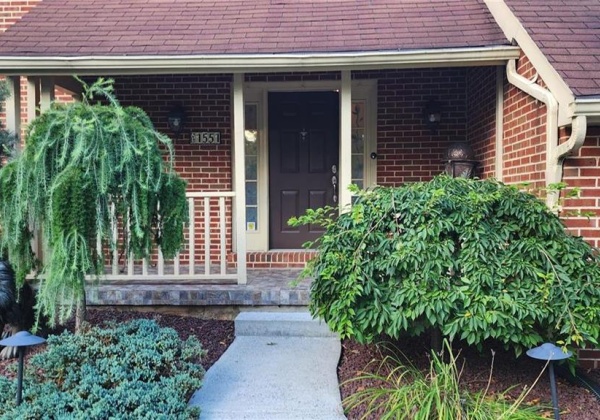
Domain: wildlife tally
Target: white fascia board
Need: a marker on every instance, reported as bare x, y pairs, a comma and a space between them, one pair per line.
514, 31
243, 63
589, 107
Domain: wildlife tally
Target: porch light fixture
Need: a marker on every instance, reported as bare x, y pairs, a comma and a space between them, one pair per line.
433, 115
21, 340
176, 119
461, 160
549, 352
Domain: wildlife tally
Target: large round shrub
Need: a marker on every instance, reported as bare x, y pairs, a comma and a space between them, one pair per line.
475, 259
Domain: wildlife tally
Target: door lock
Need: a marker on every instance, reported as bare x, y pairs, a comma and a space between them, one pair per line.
334, 182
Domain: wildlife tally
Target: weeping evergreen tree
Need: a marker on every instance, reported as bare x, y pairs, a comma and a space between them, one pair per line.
85, 168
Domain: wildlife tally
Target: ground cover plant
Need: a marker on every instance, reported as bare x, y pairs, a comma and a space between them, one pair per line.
86, 168
133, 370
473, 259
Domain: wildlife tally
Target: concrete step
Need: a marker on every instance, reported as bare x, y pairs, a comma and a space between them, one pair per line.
280, 324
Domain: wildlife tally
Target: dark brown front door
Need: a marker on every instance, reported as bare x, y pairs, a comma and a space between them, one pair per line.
303, 158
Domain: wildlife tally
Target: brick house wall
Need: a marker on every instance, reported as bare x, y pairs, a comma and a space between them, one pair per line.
524, 133
13, 10
407, 150
481, 117
582, 171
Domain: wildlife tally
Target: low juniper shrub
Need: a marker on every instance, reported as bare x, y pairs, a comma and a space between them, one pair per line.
135, 370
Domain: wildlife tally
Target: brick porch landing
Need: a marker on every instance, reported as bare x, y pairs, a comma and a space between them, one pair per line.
265, 287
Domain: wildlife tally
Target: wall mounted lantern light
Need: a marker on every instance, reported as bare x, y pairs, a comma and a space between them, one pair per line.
433, 115
176, 119
460, 160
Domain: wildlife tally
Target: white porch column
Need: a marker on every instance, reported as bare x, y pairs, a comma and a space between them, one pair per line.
239, 175
32, 102
13, 106
32, 98
345, 172
46, 93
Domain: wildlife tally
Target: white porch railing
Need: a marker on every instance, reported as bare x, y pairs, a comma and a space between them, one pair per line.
203, 257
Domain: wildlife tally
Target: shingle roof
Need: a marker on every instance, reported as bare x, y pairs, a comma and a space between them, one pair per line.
189, 27
568, 33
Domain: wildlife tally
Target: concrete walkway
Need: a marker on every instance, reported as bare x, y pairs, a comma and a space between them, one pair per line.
281, 366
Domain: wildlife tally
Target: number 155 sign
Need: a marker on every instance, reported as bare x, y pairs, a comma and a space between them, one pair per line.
206, 137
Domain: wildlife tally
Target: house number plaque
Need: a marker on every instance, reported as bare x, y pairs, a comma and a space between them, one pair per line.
206, 137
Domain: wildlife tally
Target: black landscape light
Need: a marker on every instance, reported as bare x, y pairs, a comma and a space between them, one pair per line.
550, 353
21, 340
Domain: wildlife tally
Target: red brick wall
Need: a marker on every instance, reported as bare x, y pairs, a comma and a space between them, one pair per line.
13, 10
524, 133
481, 118
583, 171
407, 150
207, 102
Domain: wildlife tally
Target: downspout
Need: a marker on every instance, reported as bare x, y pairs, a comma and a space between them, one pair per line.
555, 153
571, 146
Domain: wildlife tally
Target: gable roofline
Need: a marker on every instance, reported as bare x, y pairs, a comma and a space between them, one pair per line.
569, 105
251, 63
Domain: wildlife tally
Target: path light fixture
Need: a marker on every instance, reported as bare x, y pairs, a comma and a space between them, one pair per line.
550, 353
176, 119
21, 340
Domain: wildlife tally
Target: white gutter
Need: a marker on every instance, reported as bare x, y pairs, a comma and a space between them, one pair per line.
245, 63
555, 153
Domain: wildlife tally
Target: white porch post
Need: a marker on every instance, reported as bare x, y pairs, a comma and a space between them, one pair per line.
239, 175
46, 93
13, 106
32, 98
33, 94
345, 142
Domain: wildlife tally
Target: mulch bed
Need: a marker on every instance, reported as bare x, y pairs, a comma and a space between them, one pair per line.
576, 403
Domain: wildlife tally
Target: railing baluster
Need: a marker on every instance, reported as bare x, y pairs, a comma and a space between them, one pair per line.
176, 265
222, 231
207, 235
115, 253
161, 263
192, 236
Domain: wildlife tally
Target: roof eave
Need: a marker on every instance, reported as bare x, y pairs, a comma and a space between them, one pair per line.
588, 107
251, 63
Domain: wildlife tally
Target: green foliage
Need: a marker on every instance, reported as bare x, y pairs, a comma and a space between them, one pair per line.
85, 168
404, 392
135, 370
476, 259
